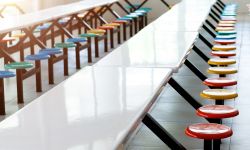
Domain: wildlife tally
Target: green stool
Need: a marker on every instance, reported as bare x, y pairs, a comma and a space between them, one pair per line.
19, 67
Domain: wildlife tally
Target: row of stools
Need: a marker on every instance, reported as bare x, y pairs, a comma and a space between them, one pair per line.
224, 47
59, 51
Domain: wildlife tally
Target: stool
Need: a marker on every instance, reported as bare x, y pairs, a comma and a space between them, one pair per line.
77, 41
118, 27
101, 34
227, 22
225, 25
225, 41
221, 70
221, 61
135, 19
226, 32
96, 37
111, 33
19, 67
124, 25
3, 74
223, 53
219, 82
37, 58
130, 20
219, 95
217, 112
226, 37
224, 29
65, 47
211, 133
224, 47
52, 59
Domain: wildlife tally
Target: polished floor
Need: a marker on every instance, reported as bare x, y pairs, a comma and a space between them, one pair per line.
171, 111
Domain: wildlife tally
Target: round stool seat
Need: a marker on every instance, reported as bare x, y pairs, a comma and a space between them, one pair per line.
208, 131
224, 47
7, 39
228, 19
147, 9
223, 53
131, 16
6, 74
77, 40
106, 27
89, 35
18, 35
218, 94
227, 22
125, 18
120, 21
226, 32
112, 24
228, 14
141, 11
65, 45
232, 36
221, 70
225, 25
97, 31
224, 41
219, 82
224, 28
18, 65
217, 111
50, 51
137, 14
39, 56
221, 61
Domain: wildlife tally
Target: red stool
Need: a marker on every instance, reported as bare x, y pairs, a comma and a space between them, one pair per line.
211, 133
223, 53
219, 82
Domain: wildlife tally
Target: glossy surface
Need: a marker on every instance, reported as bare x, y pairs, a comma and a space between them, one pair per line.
18, 65
224, 47
39, 56
225, 41
219, 94
221, 61
217, 111
223, 53
6, 74
209, 131
96, 108
222, 70
220, 82
65, 45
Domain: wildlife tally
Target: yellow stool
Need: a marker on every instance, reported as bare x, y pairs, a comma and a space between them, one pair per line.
112, 24
221, 61
97, 31
222, 70
224, 28
219, 94
227, 22
224, 47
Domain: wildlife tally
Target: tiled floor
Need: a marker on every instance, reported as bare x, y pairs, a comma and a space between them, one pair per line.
172, 111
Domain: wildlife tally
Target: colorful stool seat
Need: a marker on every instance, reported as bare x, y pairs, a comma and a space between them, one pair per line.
125, 18
224, 29
77, 40
106, 27
65, 45
39, 56
217, 111
218, 94
223, 53
6, 74
89, 35
226, 32
221, 70
225, 25
219, 82
112, 24
224, 41
224, 47
227, 22
141, 11
97, 31
137, 14
221, 61
208, 131
228, 37
18, 65
147, 9
120, 21
50, 51
131, 16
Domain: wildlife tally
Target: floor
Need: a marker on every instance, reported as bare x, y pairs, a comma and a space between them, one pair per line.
171, 110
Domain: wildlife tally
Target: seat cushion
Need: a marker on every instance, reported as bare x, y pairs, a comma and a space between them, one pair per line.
6, 74
223, 53
219, 82
50, 51
39, 56
219, 94
18, 65
77, 40
221, 61
224, 47
65, 45
221, 70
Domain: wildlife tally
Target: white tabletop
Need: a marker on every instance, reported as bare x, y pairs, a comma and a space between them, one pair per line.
26, 20
94, 109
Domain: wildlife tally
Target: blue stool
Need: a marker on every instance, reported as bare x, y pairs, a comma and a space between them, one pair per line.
77, 41
37, 58
3, 74
53, 59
